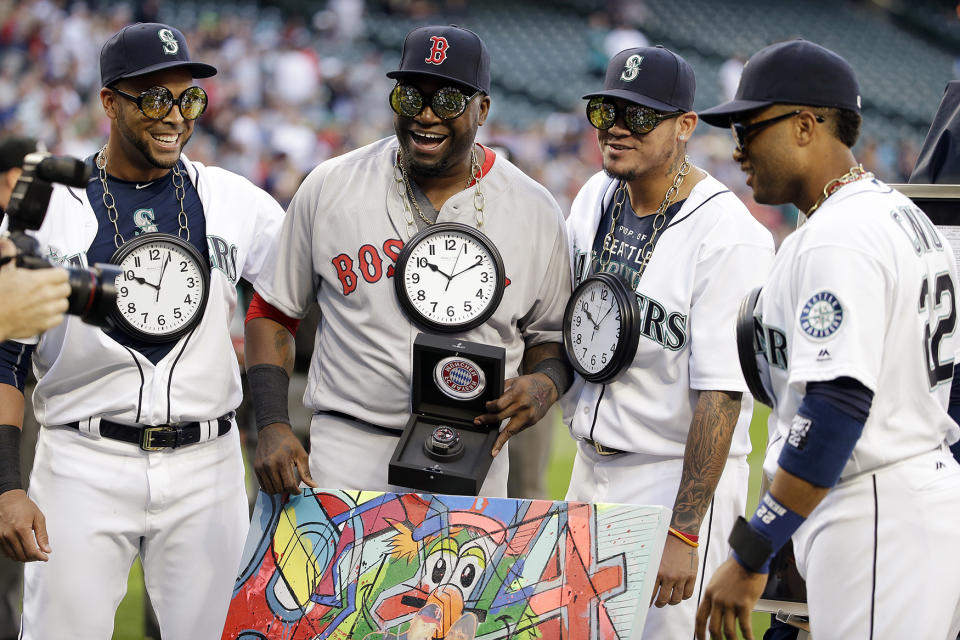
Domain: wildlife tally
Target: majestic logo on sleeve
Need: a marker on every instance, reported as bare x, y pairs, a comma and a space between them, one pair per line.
438, 52
821, 315
459, 378
631, 69
170, 44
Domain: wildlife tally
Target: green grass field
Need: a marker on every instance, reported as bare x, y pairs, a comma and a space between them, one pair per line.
130, 618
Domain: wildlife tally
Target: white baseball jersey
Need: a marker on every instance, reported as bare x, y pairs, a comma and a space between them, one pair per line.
707, 258
184, 510
342, 235
710, 254
866, 289
82, 373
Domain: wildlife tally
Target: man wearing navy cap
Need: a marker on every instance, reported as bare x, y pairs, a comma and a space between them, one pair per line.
138, 454
341, 239
669, 426
857, 345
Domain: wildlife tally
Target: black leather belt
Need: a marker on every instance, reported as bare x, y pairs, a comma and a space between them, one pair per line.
602, 450
157, 437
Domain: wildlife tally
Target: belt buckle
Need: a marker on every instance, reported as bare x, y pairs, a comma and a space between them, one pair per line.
602, 450
146, 437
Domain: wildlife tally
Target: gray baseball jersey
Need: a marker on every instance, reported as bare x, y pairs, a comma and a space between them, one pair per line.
340, 240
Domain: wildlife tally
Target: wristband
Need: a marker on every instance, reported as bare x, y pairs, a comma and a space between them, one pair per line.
9, 458
269, 387
688, 538
559, 372
755, 542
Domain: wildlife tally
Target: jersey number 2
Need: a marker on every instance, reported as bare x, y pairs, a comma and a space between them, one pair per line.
938, 372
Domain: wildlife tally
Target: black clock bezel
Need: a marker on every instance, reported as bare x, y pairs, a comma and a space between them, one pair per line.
129, 247
399, 277
626, 348
748, 347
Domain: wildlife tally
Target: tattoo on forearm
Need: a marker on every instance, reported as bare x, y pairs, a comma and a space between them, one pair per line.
282, 342
708, 444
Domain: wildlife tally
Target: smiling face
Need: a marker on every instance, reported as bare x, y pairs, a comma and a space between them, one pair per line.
633, 156
769, 157
433, 147
150, 147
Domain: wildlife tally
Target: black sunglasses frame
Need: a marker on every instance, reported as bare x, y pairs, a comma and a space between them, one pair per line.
138, 100
742, 131
599, 102
426, 99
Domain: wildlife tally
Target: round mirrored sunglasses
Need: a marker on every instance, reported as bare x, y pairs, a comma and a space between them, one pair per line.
602, 113
156, 102
447, 102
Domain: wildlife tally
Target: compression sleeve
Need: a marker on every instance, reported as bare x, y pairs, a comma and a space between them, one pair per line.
260, 308
15, 363
825, 430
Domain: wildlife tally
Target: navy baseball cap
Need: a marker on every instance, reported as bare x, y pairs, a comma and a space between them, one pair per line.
14, 149
447, 52
143, 48
791, 72
654, 77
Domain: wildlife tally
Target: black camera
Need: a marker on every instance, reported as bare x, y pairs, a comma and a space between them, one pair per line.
93, 291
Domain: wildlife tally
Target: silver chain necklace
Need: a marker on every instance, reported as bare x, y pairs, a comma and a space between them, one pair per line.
406, 191
658, 221
111, 205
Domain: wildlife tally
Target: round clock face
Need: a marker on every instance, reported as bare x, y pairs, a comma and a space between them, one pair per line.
162, 289
600, 327
449, 277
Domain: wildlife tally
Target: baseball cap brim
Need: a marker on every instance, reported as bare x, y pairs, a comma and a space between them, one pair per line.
197, 70
397, 75
631, 96
723, 114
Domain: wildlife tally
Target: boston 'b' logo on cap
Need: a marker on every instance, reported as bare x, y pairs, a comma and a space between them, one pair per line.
170, 44
631, 69
438, 52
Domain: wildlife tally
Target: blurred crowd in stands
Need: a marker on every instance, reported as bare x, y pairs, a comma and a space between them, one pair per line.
279, 106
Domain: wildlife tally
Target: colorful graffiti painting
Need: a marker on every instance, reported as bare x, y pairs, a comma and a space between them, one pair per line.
355, 565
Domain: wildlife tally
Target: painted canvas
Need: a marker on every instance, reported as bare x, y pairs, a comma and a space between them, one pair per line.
357, 565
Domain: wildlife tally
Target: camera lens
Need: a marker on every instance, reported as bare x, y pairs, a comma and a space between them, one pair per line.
93, 293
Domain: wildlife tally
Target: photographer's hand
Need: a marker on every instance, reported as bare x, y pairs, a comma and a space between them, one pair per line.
33, 300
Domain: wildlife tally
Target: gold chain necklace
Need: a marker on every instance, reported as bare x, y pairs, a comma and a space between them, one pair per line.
659, 219
855, 173
406, 191
111, 205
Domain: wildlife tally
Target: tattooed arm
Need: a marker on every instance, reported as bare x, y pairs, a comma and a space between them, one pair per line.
708, 444
280, 460
526, 398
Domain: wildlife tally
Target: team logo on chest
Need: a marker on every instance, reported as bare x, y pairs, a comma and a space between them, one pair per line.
459, 378
438, 52
145, 220
631, 69
821, 315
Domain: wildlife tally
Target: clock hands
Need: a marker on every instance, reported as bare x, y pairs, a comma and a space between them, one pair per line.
459, 253
475, 264
434, 267
162, 270
144, 281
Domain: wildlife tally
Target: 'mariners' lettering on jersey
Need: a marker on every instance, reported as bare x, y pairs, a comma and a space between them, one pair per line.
668, 329
770, 342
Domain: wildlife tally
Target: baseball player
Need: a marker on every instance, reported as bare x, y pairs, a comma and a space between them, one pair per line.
138, 454
672, 429
340, 240
858, 337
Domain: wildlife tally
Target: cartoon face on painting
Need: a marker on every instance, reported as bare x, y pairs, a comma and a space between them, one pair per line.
382, 566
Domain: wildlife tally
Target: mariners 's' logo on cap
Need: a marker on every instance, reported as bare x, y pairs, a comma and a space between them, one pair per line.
459, 378
631, 68
170, 44
438, 52
821, 315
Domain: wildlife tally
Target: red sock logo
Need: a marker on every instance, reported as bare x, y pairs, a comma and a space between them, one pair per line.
438, 52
